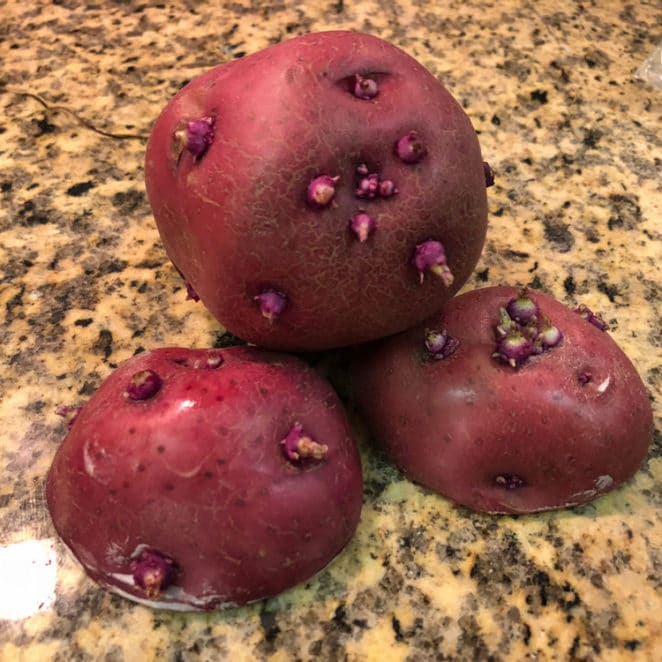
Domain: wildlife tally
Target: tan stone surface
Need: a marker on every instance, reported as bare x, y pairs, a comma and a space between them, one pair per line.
574, 139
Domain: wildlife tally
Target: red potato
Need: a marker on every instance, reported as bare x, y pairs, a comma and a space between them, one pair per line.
507, 416
201, 479
322, 192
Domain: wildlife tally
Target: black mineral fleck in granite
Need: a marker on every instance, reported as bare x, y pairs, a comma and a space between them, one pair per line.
559, 234
80, 189
268, 620
569, 285
129, 201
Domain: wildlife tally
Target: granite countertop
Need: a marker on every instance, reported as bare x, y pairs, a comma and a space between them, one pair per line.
574, 138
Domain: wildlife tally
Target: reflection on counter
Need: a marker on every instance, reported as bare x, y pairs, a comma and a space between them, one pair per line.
28, 574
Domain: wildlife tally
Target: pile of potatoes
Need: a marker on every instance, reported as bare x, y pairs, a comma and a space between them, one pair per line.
326, 192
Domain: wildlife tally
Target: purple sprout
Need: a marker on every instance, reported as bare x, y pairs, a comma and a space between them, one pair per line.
410, 149
584, 377
431, 256
506, 324
594, 318
365, 88
153, 572
143, 385
322, 190
363, 226
509, 481
368, 186
191, 294
489, 174
298, 446
214, 360
272, 303
439, 344
548, 336
195, 136
514, 349
520, 333
210, 361
522, 308
387, 188
69, 413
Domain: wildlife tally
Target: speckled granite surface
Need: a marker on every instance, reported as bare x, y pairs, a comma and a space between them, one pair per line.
84, 284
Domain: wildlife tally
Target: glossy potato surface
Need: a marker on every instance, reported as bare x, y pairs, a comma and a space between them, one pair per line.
196, 473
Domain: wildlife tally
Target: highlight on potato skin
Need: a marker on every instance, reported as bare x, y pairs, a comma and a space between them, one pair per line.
557, 419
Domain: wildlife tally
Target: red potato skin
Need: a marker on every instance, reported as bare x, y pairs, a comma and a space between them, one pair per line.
454, 425
197, 473
237, 221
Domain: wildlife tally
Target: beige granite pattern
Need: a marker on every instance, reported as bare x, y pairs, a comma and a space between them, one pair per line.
575, 141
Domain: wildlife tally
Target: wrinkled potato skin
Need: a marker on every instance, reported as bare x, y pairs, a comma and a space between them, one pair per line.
197, 473
237, 220
455, 424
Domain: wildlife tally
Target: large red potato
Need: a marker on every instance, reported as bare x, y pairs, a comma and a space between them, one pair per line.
322, 192
201, 479
507, 416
